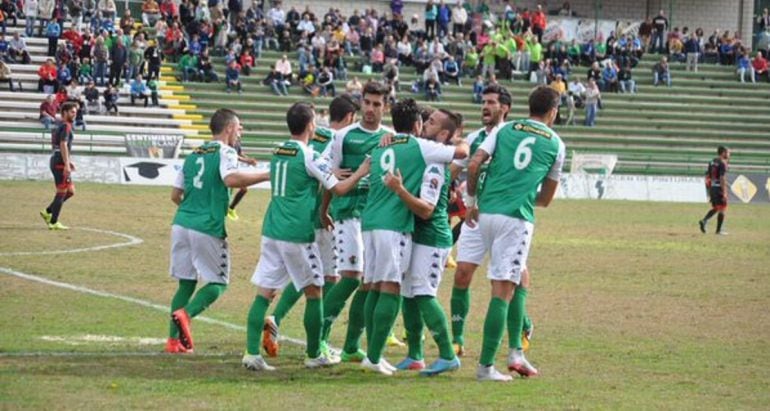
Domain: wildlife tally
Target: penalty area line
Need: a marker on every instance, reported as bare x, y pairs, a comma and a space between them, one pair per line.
132, 300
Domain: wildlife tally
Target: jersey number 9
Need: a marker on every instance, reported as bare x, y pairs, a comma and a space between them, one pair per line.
388, 161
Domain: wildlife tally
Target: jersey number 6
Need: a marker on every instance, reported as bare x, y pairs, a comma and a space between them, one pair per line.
523, 155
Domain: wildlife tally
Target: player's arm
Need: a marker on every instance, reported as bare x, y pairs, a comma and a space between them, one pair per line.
326, 219
177, 193
474, 170
723, 179
551, 182
420, 207
454, 170
64, 149
228, 169
343, 187
248, 160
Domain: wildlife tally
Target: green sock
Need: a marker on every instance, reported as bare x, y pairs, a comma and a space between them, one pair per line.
313, 323
516, 317
435, 320
371, 303
204, 298
494, 325
459, 306
527, 321
335, 300
255, 324
181, 298
385, 315
289, 297
356, 321
413, 325
328, 287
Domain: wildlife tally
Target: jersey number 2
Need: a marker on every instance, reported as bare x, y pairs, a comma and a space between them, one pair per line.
197, 182
523, 154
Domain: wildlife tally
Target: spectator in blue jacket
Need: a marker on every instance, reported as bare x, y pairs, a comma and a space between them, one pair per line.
744, 66
444, 16
478, 89
452, 71
232, 77
65, 75
609, 80
139, 90
692, 48
53, 32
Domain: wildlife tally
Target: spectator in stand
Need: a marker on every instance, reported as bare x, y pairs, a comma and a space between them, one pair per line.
478, 89
64, 75
660, 72
626, 81
539, 23
309, 82
276, 81
284, 67
645, 33
588, 52
578, 91
153, 57
247, 62
452, 71
760, 66
30, 14
6, 76
91, 93
744, 67
108, 9
326, 82
404, 49
277, 16
127, 22
727, 50
377, 59
119, 62
48, 110
150, 13
168, 10
594, 72
52, 32
433, 88
188, 67
355, 88
593, 95
431, 12
396, 6
693, 49
45, 11
111, 99
135, 60
443, 18
232, 77
459, 18
152, 84
471, 62
488, 59
139, 90
47, 77
206, 70
660, 26
609, 79
100, 60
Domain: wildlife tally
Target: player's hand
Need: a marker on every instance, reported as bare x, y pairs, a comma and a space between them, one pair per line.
326, 222
250, 161
342, 173
66, 170
472, 216
365, 166
393, 181
386, 139
72, 166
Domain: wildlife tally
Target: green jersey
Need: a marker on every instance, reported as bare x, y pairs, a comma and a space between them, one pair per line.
295, 170
524, 153
410, 155
435, 231
321, 139
348, 150
475, 139
206, 197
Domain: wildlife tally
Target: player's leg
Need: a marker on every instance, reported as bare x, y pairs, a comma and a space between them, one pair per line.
470, 253
413, 323
721, 218
393, 252
494, 326
51, 214
289, 297
716, 199
231, 213
182, 269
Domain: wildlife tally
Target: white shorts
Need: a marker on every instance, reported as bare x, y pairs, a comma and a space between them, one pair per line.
324, 239
425, 269
283, 261
387, 255
470, 245
197, 255
508, 240
349, 243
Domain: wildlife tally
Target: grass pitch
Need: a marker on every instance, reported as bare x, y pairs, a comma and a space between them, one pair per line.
633, 308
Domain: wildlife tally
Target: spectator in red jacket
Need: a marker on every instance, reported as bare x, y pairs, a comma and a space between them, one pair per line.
247, 62
538, 20
47, 76
760, 66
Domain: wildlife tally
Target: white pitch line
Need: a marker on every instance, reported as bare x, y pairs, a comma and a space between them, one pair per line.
143, 303
106, 354
131, 241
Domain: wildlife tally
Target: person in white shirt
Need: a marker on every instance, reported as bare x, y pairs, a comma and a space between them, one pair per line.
459, 18
306, 26
283, 66
278, 17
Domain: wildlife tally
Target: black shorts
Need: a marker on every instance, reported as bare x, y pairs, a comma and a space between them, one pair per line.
718, 199
57, 169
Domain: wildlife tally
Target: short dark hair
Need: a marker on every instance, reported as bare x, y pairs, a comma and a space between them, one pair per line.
68, 106
542, 100
376, 88
425, 112
453, 121
503, 96
721, 150
299, 116
221, 119
405, 114
341, 106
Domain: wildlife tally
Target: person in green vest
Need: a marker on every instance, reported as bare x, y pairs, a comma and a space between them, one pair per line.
505, 216
199, 249
388, 236
342, 113
188, 66
488, 59
535, 53
288, 251
471, 62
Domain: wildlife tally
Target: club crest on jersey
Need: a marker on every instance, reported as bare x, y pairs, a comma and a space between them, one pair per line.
434, 183
352, 259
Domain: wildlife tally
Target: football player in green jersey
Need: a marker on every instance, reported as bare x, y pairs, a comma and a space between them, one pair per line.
525, 155
288, 251
496, 103
350, 147
342, 113
198, 245
388, 235
432, 239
